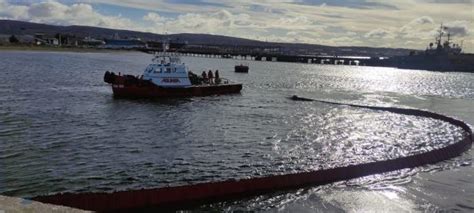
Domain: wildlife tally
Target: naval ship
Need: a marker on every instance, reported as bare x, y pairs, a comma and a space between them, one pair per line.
442, 55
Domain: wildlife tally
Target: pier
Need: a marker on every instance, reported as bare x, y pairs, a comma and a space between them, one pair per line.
277, 56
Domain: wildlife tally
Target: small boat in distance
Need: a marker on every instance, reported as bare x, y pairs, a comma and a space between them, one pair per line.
241, 68
168, 77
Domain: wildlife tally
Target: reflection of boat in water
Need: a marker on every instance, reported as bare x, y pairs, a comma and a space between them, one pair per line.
439, 56
241, 68
167, 77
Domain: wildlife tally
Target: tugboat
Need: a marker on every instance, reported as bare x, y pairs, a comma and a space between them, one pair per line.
166, 76
241, 68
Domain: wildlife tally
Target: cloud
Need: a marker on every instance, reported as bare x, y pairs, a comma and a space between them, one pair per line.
263, 9
450, 1
458, 28
154, 17
420, 28
425, 28
271, 20
376, 33
52, 12
423, 20
219, 22
16, 12
49, 9
196, 2
295, 21
358, 4
332, 22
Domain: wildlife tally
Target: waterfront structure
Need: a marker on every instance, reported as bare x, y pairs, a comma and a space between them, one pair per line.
123, 44
91, 42
41, 38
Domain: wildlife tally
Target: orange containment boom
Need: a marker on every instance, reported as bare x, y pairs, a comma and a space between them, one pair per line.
182, 196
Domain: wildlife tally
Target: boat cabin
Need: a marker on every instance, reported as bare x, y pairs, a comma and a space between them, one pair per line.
167, 71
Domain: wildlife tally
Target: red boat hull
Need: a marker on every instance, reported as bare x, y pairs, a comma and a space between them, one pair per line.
150, 91
128, 86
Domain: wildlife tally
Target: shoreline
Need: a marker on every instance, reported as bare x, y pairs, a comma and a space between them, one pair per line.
15, 204
61, 49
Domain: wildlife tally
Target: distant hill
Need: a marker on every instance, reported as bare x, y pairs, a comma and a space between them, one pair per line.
21, 27
11, 27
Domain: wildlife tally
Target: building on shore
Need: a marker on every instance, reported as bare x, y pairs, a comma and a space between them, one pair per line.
40, 38
43, 39
91, 42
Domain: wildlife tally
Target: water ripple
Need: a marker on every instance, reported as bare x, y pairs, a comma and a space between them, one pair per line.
63, 134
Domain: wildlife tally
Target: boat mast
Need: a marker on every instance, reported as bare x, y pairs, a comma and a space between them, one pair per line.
438, 40
164, 46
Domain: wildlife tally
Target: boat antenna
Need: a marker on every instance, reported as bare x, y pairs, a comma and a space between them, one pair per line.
165, 39
440, 34
163, 46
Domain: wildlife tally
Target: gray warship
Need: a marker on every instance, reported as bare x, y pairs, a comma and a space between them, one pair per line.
445, 56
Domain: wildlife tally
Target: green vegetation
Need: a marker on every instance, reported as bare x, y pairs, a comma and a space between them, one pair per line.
13, 39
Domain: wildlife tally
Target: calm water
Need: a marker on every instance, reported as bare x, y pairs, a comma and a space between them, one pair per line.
62, 131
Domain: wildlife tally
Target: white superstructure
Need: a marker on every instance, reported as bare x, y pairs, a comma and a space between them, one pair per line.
167, 71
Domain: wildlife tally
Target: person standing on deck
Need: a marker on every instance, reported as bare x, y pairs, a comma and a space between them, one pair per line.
210, 76
216, 77
204, 76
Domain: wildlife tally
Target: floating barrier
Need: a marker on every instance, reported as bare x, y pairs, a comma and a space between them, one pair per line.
179, 197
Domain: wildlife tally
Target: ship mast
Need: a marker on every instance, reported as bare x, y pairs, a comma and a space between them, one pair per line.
438, 40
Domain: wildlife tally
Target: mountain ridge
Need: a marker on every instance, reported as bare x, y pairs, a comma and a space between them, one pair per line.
14, 27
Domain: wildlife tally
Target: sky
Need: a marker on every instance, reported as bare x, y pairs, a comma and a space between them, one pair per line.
374, 23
